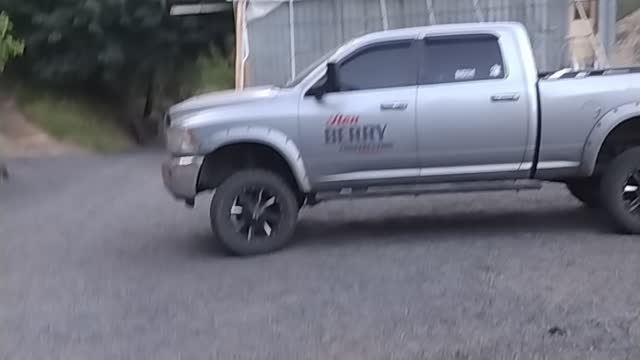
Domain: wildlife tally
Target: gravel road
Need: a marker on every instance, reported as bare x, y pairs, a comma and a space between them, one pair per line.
98, 262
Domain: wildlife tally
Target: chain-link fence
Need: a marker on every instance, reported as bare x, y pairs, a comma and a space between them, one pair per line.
293, 33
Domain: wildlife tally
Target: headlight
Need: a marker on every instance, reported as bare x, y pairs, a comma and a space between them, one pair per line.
181, 141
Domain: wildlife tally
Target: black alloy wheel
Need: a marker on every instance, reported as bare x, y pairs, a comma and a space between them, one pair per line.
631, 193
620, 191
254, 212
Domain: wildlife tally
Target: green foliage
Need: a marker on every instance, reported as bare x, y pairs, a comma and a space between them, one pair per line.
112, 43
129, 52
10, 47
79, 120
211, 72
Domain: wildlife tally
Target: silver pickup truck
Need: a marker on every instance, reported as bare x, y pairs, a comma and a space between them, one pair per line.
448, 108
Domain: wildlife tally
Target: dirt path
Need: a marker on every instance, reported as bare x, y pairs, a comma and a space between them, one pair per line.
19, 138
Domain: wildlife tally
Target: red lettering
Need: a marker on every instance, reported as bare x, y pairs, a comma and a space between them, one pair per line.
342, 120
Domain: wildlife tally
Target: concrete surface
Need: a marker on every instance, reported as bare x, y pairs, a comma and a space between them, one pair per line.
98, 262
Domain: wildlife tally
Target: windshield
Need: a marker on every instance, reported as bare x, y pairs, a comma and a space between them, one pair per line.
302, 75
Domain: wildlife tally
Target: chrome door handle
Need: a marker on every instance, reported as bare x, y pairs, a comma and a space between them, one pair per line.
505, 97
396, 106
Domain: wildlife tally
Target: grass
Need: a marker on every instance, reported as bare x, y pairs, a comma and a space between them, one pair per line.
78, 121
90, 124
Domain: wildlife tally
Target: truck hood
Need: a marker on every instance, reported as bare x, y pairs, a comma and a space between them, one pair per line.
221, 98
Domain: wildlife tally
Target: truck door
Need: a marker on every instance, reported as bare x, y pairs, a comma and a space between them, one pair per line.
365, 131
472, 110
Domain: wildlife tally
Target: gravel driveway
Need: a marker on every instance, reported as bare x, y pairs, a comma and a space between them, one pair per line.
98, 262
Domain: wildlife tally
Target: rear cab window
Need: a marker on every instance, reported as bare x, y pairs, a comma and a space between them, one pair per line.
461, 58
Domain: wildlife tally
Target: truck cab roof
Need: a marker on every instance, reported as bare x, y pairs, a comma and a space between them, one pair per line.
445, 29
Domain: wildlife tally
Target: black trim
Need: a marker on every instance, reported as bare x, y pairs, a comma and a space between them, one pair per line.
536, 154
477, 36
433, 188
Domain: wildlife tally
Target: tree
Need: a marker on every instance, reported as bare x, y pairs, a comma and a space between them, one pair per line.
108, 42
10, 47
116, 49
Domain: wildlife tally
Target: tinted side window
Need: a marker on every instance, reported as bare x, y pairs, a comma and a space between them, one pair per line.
380, 66
467, 58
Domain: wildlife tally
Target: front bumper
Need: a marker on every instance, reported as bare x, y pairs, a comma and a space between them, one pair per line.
180, 176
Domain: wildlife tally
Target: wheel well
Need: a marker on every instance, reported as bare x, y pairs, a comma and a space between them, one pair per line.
624, 136
222, 163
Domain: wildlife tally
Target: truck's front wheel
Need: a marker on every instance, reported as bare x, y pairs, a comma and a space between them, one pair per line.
254, 212
620, 190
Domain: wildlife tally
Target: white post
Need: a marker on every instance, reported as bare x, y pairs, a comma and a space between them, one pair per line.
247, 47
292, 39
607, 16
432, 15
479, 15
241, 55
385, 14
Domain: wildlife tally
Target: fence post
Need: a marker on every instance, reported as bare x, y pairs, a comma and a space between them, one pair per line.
607, 19
292, 40
385, 14
241, 43
479, 15
430, 11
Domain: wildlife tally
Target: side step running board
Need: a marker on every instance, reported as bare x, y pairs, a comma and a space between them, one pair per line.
443, 188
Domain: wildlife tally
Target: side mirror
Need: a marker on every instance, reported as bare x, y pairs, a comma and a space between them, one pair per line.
317, 91
333, 83
330, 84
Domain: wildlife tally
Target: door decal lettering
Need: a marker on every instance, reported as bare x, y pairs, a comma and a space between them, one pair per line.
346, 132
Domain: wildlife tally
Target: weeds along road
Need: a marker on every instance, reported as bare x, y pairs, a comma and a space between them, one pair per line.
98, 262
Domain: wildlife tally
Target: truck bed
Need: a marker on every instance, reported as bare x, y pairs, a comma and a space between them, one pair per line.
571, 103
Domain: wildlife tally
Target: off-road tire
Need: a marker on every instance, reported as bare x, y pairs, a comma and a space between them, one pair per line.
227, 194
613, 188
587, 191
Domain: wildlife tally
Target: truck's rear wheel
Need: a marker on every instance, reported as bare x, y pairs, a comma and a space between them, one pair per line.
254, 212
587, 191
620, 190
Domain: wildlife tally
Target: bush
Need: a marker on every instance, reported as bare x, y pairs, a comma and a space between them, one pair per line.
10, 47
115, 49
211, 72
